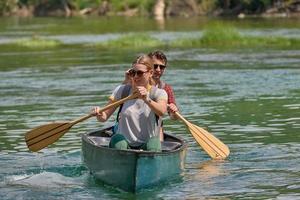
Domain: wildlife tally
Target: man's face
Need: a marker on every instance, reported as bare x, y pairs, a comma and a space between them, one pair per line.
159, 68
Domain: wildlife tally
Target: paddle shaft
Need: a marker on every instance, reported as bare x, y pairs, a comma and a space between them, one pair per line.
47, 134
182, 118
114, 104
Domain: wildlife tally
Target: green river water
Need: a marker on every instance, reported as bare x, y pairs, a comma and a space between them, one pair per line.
248, 97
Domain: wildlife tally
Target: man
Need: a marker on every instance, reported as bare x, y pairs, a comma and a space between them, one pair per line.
160, 64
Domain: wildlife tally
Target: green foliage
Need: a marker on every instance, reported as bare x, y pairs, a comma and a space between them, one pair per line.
225, 36
258, 6
36, 42
81, 4
216, 35
246, 5
132, 41
220, 33
208, 6
143, 5
29, 2
37, 2
2, 6
220, 36
7, 6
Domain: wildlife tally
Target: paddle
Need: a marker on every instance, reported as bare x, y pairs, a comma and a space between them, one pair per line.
212, 145
44, 135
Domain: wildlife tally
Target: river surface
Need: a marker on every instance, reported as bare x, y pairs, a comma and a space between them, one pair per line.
248, 98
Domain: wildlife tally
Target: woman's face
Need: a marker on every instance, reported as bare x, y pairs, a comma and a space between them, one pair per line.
140, 75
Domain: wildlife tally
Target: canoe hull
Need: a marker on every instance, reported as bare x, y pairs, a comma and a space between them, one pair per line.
132, 170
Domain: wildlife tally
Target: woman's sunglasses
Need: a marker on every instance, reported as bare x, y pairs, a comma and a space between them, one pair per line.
162, 67
134, 72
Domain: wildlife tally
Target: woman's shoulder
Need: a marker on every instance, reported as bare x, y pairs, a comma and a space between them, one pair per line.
120, 91
122, 87
155, 88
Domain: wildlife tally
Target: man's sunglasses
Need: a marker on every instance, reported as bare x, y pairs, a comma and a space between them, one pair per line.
162, 67
134, 72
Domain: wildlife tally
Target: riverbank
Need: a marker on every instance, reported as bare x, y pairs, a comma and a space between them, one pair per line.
158, 9
217, 36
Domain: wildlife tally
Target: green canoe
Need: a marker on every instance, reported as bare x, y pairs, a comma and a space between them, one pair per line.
132, 170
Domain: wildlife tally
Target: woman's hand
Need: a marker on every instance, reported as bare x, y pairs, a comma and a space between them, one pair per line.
127, 79
142, 92
101, 116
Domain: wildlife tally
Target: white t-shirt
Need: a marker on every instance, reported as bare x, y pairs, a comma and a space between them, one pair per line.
137, 122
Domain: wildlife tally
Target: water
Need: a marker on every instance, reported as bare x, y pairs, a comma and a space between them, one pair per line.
248, 98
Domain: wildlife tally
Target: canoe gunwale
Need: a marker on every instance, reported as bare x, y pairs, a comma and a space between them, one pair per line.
183, 145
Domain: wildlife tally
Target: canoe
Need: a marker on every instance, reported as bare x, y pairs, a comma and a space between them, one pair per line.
132, 170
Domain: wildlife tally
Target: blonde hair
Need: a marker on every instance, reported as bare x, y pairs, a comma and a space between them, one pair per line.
148, 62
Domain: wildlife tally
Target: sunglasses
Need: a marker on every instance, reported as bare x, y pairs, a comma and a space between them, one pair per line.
134, 72
162, 67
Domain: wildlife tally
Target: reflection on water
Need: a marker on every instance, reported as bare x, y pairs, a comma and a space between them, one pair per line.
205, 172
249, 99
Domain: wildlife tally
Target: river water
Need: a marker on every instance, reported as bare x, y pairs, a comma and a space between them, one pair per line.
248, 98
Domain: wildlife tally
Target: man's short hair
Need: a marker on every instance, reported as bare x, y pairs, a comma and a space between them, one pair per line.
158, 55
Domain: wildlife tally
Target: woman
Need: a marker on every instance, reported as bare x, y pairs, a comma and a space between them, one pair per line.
159, 60
139, 119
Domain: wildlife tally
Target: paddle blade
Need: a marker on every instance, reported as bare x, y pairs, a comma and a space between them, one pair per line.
212, 145
42, 136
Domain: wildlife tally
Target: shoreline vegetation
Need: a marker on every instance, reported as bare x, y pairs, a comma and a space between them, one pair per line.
158, 9
218, 36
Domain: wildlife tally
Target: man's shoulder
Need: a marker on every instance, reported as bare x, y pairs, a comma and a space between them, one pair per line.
168, 88
165, 85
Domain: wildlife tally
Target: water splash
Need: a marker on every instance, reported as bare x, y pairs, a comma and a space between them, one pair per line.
42, 180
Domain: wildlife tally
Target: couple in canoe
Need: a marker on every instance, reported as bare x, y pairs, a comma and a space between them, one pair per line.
139, 121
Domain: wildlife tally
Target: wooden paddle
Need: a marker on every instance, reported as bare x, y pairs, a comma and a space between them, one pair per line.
212, 145
42, 136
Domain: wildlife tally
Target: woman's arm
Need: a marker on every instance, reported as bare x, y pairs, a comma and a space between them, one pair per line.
159, 107
103, 116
